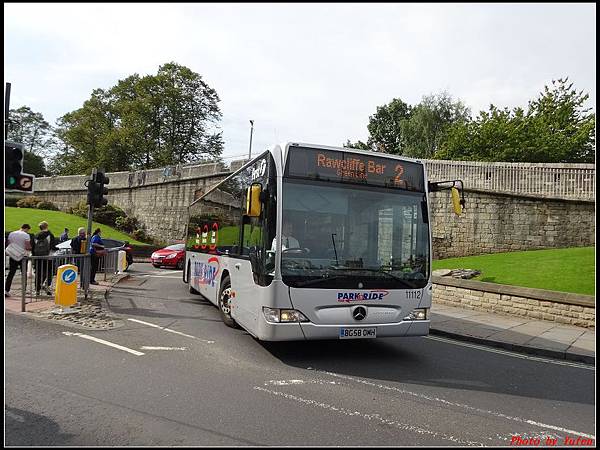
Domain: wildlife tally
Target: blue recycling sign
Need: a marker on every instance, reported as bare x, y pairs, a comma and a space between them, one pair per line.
69, 276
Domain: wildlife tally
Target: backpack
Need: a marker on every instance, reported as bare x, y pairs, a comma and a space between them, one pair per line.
42, 246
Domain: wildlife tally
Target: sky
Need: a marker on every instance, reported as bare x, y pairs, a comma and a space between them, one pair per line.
303, 72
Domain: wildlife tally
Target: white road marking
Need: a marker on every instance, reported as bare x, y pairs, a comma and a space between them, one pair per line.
371, 417
162, 348
102, 341
170, 331
513, 354
459, 405
292, 382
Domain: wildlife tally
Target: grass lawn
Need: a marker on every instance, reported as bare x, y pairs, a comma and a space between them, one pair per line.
57, 222
563, 269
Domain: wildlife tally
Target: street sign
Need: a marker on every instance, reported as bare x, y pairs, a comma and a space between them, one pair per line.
66, 285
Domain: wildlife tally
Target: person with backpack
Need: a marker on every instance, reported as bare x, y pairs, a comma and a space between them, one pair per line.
18, 246
43, 244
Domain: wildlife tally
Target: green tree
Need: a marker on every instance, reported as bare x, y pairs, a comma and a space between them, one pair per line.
360, 145
34, 164
30, 129
429, 122
37, 136
386, 132
555, 128
142, 123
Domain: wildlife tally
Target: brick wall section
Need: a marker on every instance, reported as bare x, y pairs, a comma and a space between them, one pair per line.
539, 304
495, 223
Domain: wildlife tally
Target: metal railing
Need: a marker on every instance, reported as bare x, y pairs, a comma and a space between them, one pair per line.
38, 274
564, 181
109, 263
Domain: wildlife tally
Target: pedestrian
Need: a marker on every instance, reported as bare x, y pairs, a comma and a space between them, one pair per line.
64, 236
43, 244
78, 247
97, 250
18, 244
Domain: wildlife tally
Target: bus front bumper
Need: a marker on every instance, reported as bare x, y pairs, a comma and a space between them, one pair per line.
310, 331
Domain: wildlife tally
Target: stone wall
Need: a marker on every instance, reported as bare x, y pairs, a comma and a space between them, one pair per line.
157, 200
539, 304
493, 223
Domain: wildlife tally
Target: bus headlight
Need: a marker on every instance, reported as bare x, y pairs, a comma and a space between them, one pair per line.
417, 314
276, 315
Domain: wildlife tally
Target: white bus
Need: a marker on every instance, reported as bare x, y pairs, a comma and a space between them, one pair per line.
315, 242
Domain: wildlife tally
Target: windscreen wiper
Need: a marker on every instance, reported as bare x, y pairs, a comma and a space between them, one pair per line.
404, 281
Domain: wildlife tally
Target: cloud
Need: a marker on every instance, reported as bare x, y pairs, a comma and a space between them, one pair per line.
307, 72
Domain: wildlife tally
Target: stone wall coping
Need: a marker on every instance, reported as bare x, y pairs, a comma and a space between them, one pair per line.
443, 162
138, 186
539, 197
588, 301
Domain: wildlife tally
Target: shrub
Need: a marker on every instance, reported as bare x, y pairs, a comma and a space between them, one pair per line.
127, 224
141, 235
80, 209
11, 201
28, 202
46, 205
108, 214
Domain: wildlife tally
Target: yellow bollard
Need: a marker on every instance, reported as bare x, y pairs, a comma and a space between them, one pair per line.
66, 285
122, 261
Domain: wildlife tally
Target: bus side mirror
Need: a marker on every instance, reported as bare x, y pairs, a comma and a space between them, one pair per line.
253, 204
457, 203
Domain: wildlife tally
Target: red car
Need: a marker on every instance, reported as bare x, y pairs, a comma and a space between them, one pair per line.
171, 256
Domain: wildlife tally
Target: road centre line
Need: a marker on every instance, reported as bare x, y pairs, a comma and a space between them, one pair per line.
459, 405
513, 354
102, 341
170, 331
376, 417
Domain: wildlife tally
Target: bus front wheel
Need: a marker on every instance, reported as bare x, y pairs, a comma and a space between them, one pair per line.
224, 305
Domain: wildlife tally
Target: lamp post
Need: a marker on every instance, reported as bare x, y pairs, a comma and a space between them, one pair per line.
250, 149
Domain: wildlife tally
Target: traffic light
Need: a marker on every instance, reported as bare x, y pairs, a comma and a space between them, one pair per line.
102, 179
96, 189
14, 178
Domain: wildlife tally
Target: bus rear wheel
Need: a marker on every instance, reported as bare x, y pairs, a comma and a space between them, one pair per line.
224, 305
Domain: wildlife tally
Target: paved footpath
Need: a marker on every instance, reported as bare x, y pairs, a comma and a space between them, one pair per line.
520, 334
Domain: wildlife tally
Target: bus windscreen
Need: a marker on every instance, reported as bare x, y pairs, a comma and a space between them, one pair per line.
348, 167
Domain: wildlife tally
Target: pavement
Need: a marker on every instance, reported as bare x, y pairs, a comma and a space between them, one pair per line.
523, 335
519, 334
13, 303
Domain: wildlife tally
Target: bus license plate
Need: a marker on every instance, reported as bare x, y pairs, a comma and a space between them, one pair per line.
358, 333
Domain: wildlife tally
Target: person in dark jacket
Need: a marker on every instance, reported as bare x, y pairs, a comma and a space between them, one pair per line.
78, 247
44, 243
97, 250
64, 236
76, 242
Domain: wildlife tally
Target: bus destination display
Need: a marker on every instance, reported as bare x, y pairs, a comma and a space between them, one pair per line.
330, 165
